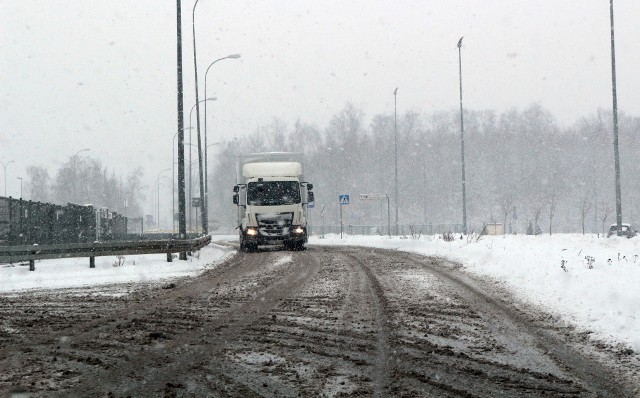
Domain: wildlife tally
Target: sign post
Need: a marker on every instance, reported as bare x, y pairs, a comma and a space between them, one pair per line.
322, 215
379, 196
195, 202
342, 200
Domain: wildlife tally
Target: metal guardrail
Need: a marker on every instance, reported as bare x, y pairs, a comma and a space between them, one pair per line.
382, 230
13, 254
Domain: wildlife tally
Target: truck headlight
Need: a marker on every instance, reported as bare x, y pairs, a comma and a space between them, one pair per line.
252, 232
298, 230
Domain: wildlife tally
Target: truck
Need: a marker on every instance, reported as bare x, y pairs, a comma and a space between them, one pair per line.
272, 197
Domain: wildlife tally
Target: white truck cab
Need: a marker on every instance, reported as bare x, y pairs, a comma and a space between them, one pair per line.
272, 199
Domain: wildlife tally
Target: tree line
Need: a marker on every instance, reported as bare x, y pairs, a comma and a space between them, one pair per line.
523, 169
84, 180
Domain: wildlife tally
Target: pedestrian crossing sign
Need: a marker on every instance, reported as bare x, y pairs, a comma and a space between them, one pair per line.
343, 199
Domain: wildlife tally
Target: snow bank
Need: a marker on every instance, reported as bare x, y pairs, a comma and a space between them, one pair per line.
75, 272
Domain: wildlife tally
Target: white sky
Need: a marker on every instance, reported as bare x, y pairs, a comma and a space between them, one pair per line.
102, 75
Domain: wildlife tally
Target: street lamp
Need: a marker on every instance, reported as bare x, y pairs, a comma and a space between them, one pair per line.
173, 179
20, 178
395, 143
205, 212
158, 201
191, 165
615, 127
195, 68
82, 150
74, 159
4, 166
182, 225
464, 188
191, 128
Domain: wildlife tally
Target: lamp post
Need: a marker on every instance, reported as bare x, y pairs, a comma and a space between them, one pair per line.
205, 210
182, 225
191, 166
195, 68
75, 183
4, 166
395, 144
195, 106
464, 187
615, 126
20, 178
173, 179
158, 201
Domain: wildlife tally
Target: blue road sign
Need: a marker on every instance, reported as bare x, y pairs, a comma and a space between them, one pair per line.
343, 199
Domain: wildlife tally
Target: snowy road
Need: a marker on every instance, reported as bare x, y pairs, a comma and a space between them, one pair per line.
330, 321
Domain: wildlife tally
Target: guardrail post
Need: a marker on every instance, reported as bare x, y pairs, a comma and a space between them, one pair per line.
32, 265
92, 262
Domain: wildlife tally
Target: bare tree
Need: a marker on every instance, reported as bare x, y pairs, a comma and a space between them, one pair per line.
506, 206
553, 203
604, 215
85, 180
39, 183
536, 206
585, 206
134, 193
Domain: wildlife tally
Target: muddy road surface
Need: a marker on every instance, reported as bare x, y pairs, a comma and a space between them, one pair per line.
334, 322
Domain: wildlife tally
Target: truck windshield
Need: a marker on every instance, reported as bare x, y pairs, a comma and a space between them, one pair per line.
273, 193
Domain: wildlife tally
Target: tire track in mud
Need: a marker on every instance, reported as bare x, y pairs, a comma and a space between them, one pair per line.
184, 360
134, 342
458, 340
324, 322
383, 365
329, 339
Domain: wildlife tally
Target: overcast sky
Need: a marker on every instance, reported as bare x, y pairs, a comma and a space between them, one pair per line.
102, 75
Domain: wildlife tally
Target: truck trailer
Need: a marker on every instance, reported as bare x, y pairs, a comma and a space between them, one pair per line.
272, 198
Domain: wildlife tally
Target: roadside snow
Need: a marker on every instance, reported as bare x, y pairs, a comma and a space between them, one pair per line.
603, 299
75, 272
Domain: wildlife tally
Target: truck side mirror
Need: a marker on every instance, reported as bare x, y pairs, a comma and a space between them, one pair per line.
236, 199
309, 187
236, 189
310, 198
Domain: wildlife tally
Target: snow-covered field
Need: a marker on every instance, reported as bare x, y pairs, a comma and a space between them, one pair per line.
604, 299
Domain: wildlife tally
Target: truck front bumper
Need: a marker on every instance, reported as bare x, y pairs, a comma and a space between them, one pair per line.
295, 233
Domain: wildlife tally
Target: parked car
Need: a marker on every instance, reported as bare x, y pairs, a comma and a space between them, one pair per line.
627, 230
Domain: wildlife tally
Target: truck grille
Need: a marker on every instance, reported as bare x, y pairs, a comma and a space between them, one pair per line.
274, 224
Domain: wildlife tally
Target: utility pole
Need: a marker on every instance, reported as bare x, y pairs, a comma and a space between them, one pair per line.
395, 141
615, 127
201, 165
182, 225
4, 166
464, 183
